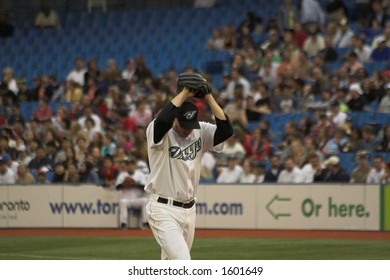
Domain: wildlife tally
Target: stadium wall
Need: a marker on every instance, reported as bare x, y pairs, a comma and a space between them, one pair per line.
311, 207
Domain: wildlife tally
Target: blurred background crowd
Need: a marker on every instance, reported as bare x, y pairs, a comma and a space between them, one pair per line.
306, 84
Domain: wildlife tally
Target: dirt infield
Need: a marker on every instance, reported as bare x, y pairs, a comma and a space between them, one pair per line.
363, 235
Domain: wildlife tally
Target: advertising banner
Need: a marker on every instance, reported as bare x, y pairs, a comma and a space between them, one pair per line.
29, 206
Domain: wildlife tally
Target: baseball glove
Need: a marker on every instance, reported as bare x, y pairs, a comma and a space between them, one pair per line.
128, 183
193, 81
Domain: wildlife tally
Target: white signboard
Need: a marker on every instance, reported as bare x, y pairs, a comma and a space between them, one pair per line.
29, 206
90, 206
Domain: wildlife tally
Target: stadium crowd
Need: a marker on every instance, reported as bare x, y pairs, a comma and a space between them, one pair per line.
106, 110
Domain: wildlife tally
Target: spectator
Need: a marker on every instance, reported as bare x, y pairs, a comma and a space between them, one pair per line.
47, 18
354, 143
258, 171
360, 47
128, 72
311, 14
314, 43
141, 69
320, 82
353, 63
112, 73
88, 113
262, 147
291, 174
109, 172
355, 98
384, 105
287, 15
7, 176
231, 173
273, 41
378, 16
72, 175
92, 90
208, 166
335, 114
360, 173
335, 10
336, 144
386, 178
232, 147
230, 40
250, 22
312, 171
92, 71
216, 42
299, 35
60, 172
343, 36
77, 74
108, 147
9, 80
142, 114
24, 176
370, 141
385, 142
247, 176
235, 110
6, 29
377, 171
87, 174
43, 112
336, 173
382, 52
40, 161
237, 78
329, 53
275, 168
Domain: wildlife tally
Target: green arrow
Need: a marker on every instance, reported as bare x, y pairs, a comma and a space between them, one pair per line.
277, 215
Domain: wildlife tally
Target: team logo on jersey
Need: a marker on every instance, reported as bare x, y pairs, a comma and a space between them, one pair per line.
188, 153
190, 115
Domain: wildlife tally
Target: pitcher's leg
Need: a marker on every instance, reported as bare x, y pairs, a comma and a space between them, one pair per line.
164, 222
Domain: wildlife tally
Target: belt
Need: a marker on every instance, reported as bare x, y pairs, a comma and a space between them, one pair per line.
177, 203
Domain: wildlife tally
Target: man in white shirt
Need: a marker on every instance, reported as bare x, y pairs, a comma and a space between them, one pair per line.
377, 171
338, 117
230, 174
129, 183
237, 78
291, 174
7, 176
77, 74
343, 36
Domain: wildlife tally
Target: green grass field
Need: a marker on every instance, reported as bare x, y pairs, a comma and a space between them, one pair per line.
144, 248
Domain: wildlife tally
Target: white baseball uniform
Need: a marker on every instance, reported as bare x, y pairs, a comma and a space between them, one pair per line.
175, 164
133, 197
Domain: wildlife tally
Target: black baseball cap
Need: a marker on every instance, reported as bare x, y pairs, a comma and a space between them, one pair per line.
187, 115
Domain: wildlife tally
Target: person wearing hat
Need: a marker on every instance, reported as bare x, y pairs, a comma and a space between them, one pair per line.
360, 173
355, 98
130, 182
176, 142
382, 51
336, 173
231, 173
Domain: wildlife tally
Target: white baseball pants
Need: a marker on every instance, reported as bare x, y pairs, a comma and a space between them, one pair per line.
173, 228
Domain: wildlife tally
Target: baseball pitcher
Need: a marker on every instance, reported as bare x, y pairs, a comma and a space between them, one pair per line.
176, 142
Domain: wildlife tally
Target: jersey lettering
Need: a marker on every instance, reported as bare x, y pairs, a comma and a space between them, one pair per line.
188, 153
